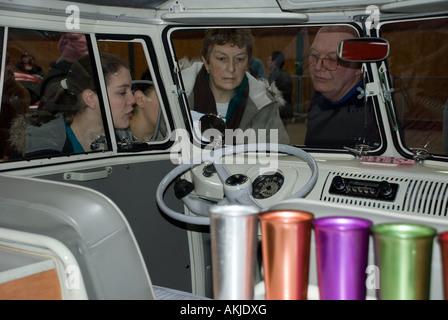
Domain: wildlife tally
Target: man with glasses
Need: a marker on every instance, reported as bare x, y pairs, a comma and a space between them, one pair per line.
337, 115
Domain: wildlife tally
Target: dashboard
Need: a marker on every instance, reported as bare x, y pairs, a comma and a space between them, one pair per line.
414, 189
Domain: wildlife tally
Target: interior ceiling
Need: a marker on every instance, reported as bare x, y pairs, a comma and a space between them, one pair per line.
296, 5
146, 4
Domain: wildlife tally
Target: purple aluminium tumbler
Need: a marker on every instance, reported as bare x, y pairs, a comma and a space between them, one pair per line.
342, 246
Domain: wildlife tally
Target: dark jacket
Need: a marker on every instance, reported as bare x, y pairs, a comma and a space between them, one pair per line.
49, 138
342, 124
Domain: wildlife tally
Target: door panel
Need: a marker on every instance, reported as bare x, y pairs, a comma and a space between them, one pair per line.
163, 242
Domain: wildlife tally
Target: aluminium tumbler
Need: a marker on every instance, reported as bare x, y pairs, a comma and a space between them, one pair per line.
342, 250
233, 231
443, 240
403, 253
285, 243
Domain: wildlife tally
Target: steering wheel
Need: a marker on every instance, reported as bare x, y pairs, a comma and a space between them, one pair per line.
237, 187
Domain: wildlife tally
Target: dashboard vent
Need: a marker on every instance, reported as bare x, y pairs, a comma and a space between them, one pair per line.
414, 196
426, 197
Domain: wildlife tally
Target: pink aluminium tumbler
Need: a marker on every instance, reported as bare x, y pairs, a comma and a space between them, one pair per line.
285, 243
342, 245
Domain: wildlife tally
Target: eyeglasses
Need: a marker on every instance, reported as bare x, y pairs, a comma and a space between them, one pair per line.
328, 63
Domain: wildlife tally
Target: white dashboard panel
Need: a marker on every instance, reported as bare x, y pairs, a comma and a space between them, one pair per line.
419, 189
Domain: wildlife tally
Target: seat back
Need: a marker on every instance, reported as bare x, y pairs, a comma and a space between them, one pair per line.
89, 224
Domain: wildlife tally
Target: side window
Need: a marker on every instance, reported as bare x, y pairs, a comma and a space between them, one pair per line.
50, 105
148, 125
419, 75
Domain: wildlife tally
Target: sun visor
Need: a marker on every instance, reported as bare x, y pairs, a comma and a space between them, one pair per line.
224, 18
415, 6
296, 5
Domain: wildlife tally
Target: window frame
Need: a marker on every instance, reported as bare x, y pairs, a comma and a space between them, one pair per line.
174, 63
151, 59
398, 137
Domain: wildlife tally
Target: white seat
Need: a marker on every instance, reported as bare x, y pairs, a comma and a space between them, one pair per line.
91, 226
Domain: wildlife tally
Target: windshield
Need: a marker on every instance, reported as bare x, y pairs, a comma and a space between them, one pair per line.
323, 115
293, 82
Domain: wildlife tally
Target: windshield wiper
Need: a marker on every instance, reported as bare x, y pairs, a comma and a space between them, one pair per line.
359, 150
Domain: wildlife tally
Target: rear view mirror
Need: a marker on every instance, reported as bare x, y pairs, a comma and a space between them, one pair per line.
363, 49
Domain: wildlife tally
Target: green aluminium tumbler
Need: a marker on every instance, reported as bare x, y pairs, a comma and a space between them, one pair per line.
403, 254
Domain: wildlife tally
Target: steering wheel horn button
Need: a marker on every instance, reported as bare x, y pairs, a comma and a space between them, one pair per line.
236, 180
